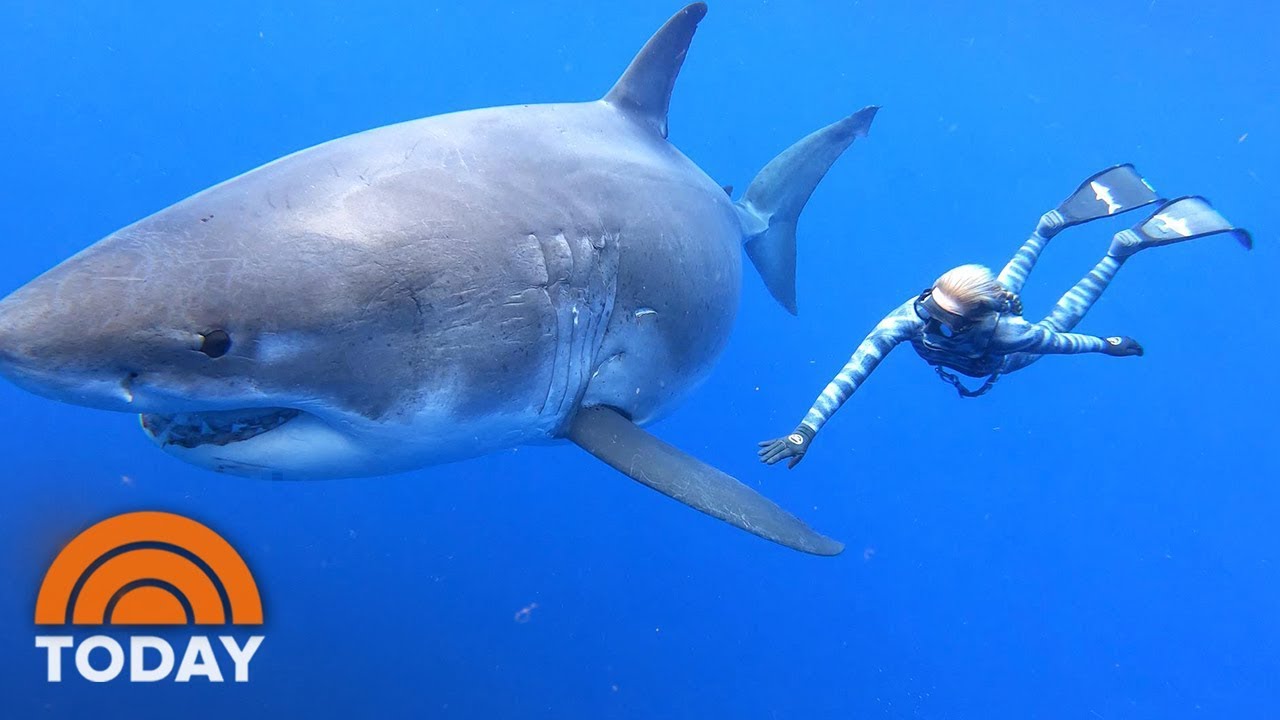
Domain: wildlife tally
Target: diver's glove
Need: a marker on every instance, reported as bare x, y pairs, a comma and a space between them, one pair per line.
792, 446
1122, 347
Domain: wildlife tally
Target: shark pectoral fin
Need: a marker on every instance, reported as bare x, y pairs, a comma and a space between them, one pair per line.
768, 211
608, 435
644, 90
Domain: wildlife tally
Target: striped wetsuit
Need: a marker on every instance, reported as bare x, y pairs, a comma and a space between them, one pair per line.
1001, 342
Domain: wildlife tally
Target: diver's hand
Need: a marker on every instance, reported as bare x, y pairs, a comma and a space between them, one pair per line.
792, 446
1122, 346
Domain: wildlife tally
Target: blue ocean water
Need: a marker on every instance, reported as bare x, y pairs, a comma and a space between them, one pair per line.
1096, 538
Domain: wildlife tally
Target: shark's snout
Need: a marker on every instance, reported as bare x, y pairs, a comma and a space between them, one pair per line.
25, 353
12, 357
19, 335
87, 335
40, 351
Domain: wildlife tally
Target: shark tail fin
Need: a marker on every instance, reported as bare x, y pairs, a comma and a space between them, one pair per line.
644, 90
772, 204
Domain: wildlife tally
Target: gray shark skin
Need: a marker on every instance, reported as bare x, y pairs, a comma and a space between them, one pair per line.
435, 290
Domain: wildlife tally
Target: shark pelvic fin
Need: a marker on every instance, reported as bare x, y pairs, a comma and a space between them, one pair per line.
617, 441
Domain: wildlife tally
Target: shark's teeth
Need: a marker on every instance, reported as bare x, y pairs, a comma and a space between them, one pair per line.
223, 427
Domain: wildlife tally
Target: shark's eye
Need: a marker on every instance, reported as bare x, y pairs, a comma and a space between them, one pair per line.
215, 343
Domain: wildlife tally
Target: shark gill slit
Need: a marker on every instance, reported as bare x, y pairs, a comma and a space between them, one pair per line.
554, 251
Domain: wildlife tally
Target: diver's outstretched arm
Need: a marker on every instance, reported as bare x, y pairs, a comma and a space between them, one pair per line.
1114, 190
1016, 335
896, 327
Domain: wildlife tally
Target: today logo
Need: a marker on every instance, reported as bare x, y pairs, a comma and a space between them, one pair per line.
152, 569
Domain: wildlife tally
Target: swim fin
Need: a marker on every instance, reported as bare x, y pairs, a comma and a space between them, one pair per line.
605, 433
1116, 190
1179, 220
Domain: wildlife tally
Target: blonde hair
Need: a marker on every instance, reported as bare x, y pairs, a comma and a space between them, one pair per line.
973, 288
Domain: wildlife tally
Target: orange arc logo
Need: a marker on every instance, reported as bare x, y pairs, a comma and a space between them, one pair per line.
148, 568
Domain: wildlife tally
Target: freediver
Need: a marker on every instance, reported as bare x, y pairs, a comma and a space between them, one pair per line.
970, 321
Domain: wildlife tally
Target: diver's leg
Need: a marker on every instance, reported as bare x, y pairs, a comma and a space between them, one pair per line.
1071, 308
1015, 273
1177, 221
1114, 190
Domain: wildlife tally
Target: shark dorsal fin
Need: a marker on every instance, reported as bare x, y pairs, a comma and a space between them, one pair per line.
644, 90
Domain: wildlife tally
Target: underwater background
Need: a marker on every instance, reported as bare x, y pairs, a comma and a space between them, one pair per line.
1095, 538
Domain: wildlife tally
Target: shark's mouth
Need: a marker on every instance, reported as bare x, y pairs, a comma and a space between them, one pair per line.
222, 427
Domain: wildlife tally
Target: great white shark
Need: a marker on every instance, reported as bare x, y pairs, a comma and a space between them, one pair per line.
435, 290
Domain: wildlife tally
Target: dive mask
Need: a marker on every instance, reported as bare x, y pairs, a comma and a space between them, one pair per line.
942, 321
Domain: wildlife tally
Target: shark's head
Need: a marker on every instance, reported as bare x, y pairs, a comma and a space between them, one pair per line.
245, 362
